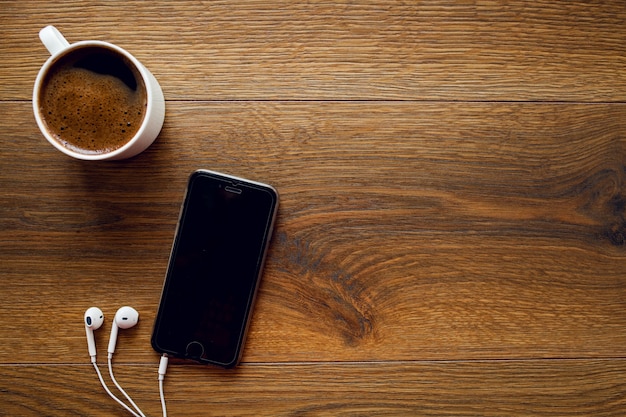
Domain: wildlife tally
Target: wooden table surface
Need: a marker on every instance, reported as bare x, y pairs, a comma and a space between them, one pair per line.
452, 234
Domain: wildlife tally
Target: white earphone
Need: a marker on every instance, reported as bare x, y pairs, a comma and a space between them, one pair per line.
125, 318
93, 321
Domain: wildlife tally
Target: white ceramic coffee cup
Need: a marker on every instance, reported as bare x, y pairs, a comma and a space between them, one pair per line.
154, 116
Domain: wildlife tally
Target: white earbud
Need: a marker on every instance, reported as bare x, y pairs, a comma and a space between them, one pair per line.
93, 320
125, 318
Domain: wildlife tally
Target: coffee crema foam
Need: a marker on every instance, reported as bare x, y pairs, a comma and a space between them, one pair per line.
88, 103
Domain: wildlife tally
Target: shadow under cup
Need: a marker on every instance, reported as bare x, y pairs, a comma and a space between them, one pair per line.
92, 101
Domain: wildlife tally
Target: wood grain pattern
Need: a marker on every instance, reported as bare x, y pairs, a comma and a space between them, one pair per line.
451, 238
565, 388
411, 240
427, 50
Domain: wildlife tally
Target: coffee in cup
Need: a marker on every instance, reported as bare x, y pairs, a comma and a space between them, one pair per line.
93, 100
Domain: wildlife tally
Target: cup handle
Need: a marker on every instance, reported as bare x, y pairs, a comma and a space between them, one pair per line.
53, 40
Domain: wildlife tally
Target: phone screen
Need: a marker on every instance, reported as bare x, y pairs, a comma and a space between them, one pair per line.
215, 265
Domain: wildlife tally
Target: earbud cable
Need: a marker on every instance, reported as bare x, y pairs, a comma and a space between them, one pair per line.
162, 371
110, 393
119, 387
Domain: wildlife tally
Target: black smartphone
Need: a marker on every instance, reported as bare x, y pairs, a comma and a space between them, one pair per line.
216, 262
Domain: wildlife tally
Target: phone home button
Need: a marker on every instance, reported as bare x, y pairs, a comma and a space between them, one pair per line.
195, 350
